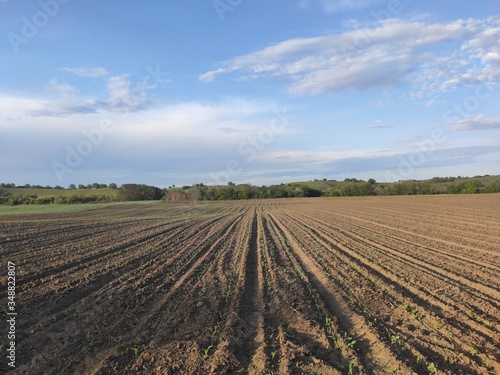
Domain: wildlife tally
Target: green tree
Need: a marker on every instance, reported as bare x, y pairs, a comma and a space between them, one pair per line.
470, 188
310, 192
226, 193
366, 188
194, 193
245, 191
455, 188
492, 187
135, 192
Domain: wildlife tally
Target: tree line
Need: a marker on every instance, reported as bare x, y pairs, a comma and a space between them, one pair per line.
349, 188
330, 188
95, 185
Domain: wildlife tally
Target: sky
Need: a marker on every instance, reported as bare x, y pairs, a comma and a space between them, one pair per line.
261, 92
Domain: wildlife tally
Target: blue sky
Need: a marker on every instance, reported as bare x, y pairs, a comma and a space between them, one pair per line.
259, 92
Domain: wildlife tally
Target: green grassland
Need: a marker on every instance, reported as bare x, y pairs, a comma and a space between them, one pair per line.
20, 195
19, 192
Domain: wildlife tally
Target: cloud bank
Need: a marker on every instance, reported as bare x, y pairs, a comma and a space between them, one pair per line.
432, 57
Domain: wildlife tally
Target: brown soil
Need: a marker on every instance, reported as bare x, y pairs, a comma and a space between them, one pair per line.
376, 285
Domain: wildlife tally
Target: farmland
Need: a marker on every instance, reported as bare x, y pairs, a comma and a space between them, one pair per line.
368, 285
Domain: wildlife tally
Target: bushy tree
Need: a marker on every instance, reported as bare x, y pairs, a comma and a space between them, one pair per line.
310, 192
136, 192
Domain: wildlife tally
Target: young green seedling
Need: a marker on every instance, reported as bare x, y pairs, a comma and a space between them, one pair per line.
135, 350
351, 367
215, 331
432, 368
273, 354
205, 352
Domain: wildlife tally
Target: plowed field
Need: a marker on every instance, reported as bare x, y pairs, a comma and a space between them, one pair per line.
375, 285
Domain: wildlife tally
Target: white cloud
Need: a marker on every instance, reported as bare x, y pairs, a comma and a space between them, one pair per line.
371, 159
15, 108
200, 122
477, 122
184, 136
210, 76
392, 54
122, 95
378, 124
62, 89
486, 43
322, 156
222, 122
194, 138
66, 108
405, 141
87, 72
431, 102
